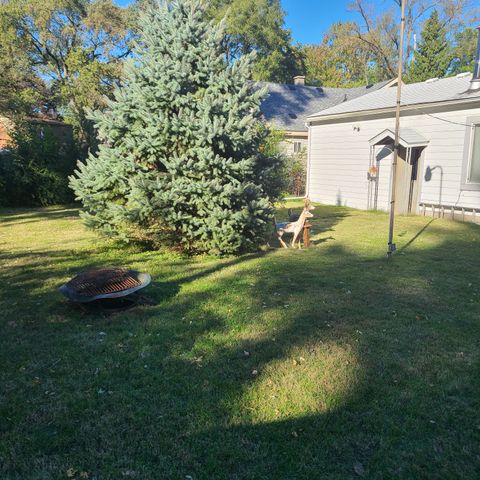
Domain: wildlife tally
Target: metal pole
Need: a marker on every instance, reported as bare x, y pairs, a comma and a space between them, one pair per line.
391, 245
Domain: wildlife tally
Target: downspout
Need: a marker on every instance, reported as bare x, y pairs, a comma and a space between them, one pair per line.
307, 186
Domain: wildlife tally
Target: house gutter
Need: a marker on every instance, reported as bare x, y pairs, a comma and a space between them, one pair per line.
296, 133
380, 111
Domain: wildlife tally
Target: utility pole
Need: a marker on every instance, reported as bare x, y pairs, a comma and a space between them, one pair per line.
391, 245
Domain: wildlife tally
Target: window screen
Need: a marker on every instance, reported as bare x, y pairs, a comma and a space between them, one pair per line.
474, 174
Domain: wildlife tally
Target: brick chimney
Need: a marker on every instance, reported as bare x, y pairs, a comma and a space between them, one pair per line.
476, 68
299, 80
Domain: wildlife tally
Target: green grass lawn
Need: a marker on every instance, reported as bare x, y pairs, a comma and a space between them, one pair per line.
326, 363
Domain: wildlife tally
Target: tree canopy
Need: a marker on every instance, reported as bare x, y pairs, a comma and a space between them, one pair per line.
340, 60
464, 50
66, 56
433, 55
258, 25
69, 53
366, 49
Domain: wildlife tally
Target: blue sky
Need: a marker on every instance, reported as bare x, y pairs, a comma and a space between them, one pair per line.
309, 19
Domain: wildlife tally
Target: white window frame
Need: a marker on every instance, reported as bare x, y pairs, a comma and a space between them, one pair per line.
300, 146
473, 122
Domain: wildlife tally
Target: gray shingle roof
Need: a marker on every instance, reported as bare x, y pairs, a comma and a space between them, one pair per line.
287, 106
441, 90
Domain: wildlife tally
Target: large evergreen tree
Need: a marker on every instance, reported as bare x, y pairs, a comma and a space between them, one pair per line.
180, 158
433, 55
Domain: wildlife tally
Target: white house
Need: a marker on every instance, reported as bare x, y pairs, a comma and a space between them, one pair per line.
351, 144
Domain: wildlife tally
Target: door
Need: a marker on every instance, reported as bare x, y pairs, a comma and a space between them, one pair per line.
379, 177
415, 161
407, 182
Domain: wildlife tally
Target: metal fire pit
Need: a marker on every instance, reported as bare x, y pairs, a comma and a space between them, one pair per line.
104, 283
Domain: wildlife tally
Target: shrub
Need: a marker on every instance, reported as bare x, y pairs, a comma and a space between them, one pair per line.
296, 172
291, 173
35, 166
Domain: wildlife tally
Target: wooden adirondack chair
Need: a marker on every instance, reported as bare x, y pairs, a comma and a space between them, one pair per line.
294, 227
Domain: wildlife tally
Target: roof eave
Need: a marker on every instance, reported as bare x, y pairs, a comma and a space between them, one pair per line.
380, 111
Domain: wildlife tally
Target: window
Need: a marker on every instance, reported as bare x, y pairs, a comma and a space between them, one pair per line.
471, 155
473, 174
297, 147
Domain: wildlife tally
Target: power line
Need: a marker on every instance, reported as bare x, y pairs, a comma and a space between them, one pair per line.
438, 118
448, 121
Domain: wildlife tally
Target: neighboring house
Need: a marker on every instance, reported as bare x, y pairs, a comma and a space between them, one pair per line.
351, 144
61, 130
287, 107
5, 126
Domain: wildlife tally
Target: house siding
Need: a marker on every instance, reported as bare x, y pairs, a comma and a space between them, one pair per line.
340, 156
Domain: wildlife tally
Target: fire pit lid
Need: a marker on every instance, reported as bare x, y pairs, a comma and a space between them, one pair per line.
104, 283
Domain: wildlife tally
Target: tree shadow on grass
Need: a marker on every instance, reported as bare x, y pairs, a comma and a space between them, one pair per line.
312, 364
25, 216
412, 401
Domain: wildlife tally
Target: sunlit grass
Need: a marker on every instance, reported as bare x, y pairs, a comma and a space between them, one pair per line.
282, 364
308, 381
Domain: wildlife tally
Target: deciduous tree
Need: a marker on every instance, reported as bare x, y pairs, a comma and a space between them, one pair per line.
341, 60
72, 46
379, 30
464, 50
258, 25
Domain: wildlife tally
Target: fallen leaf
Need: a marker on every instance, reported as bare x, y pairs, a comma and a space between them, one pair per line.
359, 469
71, 472
129, 473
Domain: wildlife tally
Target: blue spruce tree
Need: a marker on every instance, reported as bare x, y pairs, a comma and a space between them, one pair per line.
180, 160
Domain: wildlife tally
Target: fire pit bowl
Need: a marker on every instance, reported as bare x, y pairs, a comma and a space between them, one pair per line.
104, 283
